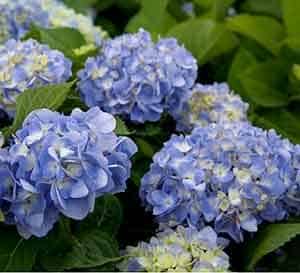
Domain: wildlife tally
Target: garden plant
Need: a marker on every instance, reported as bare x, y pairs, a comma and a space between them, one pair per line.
149, 135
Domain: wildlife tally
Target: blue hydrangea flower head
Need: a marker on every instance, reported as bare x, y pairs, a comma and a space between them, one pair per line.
18, 15
233, 176
293, 196
211, 104
181, 70
28, 64
182, 250
61, 164
125, 79
22, 204
135, 78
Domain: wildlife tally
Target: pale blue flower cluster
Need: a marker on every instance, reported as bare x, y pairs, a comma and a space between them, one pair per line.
18, 15
136, 78
211, 104
61, 164
233, 176
28, 64
182, 250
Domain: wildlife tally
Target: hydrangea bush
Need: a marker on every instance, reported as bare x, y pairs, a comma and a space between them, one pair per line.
149, 135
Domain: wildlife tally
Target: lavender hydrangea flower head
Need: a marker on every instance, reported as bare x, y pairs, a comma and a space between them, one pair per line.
17, 16
28, 64
211, 104
61, 164
182, 250
135, 78
232, 175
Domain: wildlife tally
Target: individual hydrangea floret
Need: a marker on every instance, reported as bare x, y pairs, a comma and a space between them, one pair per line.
211, 104
61, 164
233, 176
28, 64
137, 79
182, 250
18, 15
188, 8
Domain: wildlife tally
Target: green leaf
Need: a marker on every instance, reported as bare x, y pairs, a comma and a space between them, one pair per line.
270, 7
283, 121
263, 95
204, 4
264, 30
2, 217
90, 248
267, 240
153, 17
149, 130
121, 129
291, 10
80, 5
216, 9
176, 10
16, 253
144, 147
265, 84
208, 40
107, 216
221, 8
296, 71
63, 39
290, 49
93, 248
241, 62
51, 97
103, 4
72, 101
